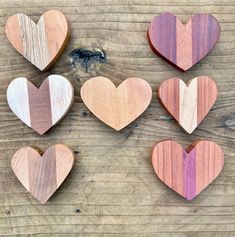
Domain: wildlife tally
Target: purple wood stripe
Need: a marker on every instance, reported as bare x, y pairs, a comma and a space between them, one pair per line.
205, 31
163, 35
42, 175
40, 107
189, 160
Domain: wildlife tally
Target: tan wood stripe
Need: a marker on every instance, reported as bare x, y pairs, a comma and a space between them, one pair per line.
188, 105
34, 41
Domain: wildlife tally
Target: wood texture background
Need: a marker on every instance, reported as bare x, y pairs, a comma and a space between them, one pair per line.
112, 189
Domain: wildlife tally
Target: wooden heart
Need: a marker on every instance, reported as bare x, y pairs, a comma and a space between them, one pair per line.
183, 45
116, 106
40, 108
187, 172
188, 104
40, 43
42, 175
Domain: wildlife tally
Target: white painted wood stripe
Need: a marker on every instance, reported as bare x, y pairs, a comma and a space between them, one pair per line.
18, 99
188, 105
59, 86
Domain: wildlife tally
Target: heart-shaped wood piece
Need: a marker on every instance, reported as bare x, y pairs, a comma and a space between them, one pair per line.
187, 172
116, 106
188, 104
183, 45
42, 175
40, 43
40, 108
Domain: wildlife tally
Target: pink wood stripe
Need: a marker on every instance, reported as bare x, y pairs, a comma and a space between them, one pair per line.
209, 163
184, 44
55, 33
169, 94
168, 164
13, 23
207, 93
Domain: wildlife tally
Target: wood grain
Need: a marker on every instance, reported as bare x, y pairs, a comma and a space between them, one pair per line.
40, 43
40, 108
42, 175
187, 172
188, 104
183, 45
116, 106
112, 189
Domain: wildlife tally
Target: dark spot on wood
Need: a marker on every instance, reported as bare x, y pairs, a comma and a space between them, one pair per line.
84, 114
78, 210
86, 58
8, 212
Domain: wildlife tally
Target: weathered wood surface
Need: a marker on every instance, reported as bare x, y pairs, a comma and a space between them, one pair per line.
113, 190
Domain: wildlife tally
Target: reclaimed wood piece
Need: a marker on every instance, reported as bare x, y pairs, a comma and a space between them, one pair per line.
40, 108
183, 45
116, 106
42, 175
189, 171
40, 43
188, 104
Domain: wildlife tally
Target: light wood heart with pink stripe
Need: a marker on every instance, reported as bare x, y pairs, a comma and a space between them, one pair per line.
42, 175
40, 43
188, 104
40, 108
116, 106
190, 171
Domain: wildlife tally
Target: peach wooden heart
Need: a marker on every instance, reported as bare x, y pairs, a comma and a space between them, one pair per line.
40, 43
40, 108
187, 172
42, 175
116, 106
188, 104
183, 45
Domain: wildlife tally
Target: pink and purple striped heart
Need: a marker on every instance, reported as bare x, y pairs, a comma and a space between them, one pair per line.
189, 171
183, 45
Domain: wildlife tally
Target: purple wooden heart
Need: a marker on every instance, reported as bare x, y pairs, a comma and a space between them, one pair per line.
183, 45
